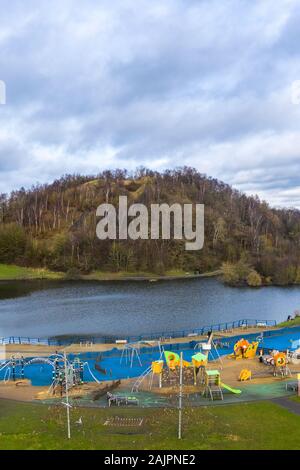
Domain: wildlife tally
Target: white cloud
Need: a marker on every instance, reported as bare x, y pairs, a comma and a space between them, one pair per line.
128, 83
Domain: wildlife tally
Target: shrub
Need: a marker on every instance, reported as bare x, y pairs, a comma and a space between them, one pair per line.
235, 273
254, 279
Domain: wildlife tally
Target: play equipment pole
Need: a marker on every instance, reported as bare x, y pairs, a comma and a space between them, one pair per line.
14, 369
180, 398
298, 377
67, 396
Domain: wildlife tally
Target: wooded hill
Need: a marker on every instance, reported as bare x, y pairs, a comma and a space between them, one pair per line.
54, 226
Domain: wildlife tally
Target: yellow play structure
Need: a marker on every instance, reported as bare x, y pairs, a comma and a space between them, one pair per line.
199, 362
212, 382
213, 385
245, 374
244, 350
210, 379
280, 359
157, 367
173, 360
281, 365
156, 370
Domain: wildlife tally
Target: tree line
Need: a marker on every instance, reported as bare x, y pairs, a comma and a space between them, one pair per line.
54, 226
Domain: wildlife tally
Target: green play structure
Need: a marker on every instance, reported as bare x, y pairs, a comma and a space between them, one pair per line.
213, 385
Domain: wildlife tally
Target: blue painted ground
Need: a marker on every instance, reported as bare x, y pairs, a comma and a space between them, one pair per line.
110, 361
282, 342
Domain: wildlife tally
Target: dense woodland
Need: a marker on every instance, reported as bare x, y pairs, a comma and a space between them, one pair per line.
54, 226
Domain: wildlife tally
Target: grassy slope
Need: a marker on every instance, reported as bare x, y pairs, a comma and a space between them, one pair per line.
294, 322
247, 426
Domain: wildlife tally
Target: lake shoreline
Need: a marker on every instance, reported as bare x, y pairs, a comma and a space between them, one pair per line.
14, 273
11, 273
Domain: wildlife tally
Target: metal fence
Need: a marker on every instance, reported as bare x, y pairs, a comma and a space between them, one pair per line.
188, 333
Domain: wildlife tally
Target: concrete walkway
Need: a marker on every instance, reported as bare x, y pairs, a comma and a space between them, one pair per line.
288, 404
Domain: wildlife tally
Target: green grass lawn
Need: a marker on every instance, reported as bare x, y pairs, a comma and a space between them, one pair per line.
114, 276
12, 272
245, 426
296, 399
294, 322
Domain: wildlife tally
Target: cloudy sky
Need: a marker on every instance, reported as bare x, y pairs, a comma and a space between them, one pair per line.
123, 83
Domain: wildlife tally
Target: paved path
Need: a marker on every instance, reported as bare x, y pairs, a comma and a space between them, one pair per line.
288, 404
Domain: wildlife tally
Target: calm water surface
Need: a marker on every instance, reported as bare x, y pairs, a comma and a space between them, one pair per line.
128, 308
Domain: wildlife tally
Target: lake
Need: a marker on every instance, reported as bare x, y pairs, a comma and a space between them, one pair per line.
46, 308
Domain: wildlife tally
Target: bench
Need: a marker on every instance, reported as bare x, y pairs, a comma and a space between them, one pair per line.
119, 400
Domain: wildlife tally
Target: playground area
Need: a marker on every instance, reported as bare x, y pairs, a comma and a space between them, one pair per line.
216, 368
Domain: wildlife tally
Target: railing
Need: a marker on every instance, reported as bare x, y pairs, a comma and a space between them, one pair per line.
188, 333
26, 340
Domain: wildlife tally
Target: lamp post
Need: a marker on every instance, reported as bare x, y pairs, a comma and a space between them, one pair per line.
180, 398
67, 404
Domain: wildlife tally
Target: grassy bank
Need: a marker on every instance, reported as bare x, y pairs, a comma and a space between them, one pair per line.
295, 322
13, 272
247, 426
125, 275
